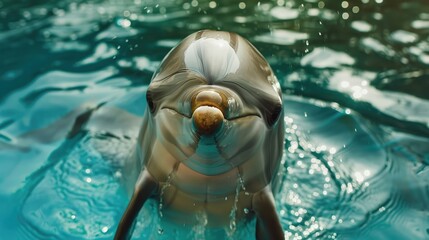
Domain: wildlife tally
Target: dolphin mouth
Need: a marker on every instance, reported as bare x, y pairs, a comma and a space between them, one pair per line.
189, 116
209, 155
177, 112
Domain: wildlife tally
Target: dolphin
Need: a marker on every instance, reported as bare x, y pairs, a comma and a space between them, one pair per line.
212, 138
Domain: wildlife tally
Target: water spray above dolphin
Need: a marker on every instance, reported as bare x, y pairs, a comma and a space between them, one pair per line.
212, 138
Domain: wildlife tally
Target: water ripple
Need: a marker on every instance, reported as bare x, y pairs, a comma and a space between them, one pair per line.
80, 171
321, 172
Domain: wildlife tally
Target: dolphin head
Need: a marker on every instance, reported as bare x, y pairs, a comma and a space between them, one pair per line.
214, 102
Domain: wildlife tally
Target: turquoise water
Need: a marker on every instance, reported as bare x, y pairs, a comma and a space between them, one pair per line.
355, 79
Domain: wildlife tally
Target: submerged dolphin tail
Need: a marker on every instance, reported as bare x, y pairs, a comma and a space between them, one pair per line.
144, 188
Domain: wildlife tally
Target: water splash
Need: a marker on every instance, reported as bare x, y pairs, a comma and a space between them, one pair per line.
166, 185
200, 227
232, 215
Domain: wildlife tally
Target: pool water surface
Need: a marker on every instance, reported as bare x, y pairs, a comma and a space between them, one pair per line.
354, 77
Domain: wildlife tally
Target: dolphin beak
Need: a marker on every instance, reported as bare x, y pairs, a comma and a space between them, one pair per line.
207, 119
209, 108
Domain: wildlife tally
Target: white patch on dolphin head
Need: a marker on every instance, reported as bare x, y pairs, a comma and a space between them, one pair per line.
212, 58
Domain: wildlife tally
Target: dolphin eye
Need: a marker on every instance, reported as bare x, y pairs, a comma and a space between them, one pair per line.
150, 102
274, 116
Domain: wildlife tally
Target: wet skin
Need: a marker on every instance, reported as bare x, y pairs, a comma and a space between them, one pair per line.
212, 139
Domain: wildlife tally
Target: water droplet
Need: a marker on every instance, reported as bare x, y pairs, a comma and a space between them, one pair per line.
232, 226
186, 6
164, 187
123, 23
104, 229
246, 210
378, 16
242, 5
212, 4
160, 231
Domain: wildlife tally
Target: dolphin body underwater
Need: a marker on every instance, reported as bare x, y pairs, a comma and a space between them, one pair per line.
212, 138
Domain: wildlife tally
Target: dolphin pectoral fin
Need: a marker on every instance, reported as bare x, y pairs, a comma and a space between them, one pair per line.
144, 187
268, 223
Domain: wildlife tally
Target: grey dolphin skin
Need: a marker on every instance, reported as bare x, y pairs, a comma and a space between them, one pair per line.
212, 138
